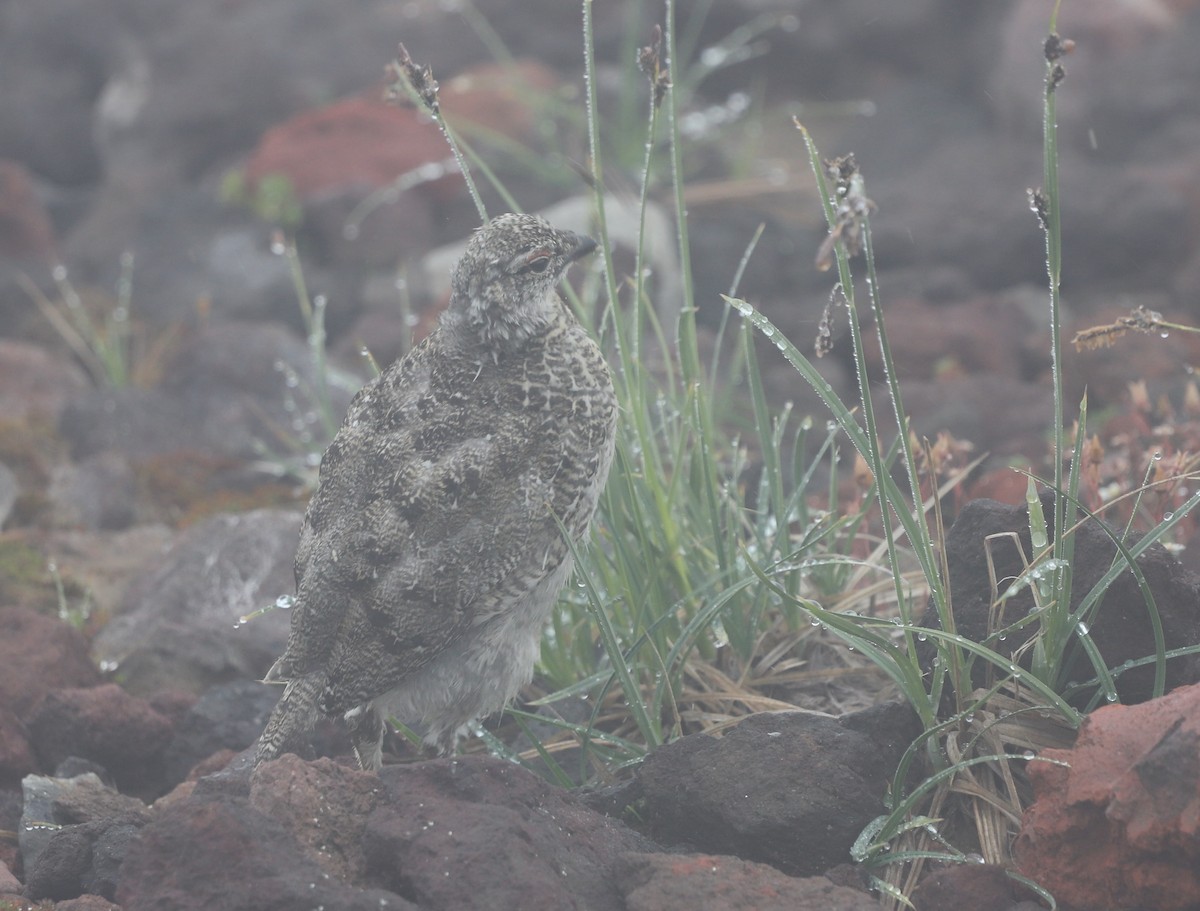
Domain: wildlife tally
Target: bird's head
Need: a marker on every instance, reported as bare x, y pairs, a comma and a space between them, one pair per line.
503, 287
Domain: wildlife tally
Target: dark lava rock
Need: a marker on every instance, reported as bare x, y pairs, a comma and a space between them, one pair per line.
324, 807
198, 855
83, 858
53, 806
980, 887
228, 716
456, 834
10, 820
16, 754
483, 833
704, 882
787, 788
86, 903
1121, 630
106, 725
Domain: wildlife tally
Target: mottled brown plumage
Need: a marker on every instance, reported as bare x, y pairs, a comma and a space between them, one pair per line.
432, 551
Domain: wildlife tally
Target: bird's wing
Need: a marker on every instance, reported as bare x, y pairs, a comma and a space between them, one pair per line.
436, 509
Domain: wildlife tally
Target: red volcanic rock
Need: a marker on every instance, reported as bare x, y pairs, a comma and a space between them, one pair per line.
708, 882
334, 157
1120, 827
25, 229
364, 142
16, 755
979, 887
38, 654
353, 142
504, 99
944, 340
34, 382
106, 725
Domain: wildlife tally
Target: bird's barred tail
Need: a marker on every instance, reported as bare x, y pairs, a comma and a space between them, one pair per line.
294, 716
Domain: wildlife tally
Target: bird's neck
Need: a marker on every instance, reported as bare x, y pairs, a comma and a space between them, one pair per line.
501, 330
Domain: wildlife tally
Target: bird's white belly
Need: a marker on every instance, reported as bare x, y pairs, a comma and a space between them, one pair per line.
481, 673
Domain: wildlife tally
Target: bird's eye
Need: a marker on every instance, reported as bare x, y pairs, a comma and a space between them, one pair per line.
538, 264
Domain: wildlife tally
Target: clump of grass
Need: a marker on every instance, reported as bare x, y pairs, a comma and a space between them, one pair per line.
295, 450
113, 348
272, 198
668, 630
971, 756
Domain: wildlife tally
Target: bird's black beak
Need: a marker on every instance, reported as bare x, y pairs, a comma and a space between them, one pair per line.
583, 246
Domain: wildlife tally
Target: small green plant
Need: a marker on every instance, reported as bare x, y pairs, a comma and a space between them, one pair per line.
296, 449
73, 611
272, 198
105, 345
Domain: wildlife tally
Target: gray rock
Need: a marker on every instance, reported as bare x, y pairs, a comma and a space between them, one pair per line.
135, 422
10, 489
216, 850
177, 628
96, 493
104, 724
34, 382
786, 788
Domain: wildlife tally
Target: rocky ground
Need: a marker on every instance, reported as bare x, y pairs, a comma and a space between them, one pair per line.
169, 506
